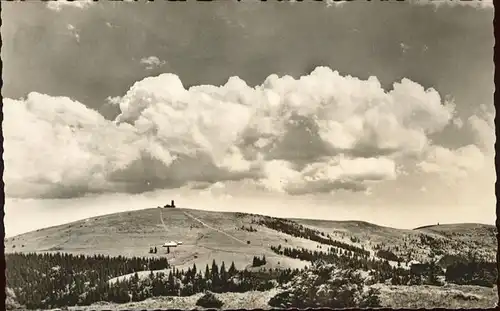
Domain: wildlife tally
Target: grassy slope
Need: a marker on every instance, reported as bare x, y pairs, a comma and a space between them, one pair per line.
449, 296
452, 238
472, 235
233, 301
132, 233
216, 235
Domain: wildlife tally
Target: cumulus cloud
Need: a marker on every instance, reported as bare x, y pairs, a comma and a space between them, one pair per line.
458, 163
483, 128
453, 164
61, 4
317, 133
458, 123
485, 4
152, 62
114, 100
326, 176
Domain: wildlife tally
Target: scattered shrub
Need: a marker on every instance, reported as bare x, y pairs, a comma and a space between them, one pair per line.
209, 301
465, 296
322, 285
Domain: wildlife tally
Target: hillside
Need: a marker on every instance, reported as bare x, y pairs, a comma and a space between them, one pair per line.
219, 235
205, 236
380, 254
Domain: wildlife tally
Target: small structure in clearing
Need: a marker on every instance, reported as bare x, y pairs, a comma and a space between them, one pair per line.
171, 205
170, 244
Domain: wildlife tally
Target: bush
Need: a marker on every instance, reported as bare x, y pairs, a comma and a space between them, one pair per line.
209, 301
11, 302
327, 287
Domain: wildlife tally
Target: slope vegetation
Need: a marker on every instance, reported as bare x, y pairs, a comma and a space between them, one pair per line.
227, 236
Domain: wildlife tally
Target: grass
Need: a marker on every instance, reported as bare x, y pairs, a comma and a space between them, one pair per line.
449, 296
233, 301
209, 236
218, 236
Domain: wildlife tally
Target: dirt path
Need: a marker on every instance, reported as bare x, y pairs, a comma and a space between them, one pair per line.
162, 222
213, 228
265, 250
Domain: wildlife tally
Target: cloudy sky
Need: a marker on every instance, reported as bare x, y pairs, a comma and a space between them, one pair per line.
374, 111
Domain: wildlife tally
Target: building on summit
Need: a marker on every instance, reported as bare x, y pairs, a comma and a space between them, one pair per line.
171, 205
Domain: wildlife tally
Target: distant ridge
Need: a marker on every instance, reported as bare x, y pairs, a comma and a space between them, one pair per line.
453, 224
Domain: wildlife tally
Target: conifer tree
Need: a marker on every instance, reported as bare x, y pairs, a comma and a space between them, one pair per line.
223, 276
208, 275
232, 269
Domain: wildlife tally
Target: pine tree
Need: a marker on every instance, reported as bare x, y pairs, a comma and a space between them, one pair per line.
208, 275
171, 284
215, 268
223, 277
215, 276
232, 270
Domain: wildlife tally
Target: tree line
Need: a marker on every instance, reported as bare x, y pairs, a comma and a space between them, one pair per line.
57, 280
298, 230
474, 272
257, 261
380, 270
479, 273
249, 229
33, 277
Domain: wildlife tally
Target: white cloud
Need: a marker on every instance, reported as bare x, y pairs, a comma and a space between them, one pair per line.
318, 133
336, 3
61, 4
466, 160
114, 100
485, 4
483, 128
453, 164
331, 174
458, 123
152, 62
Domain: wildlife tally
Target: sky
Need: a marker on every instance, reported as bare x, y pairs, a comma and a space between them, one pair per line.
381, 112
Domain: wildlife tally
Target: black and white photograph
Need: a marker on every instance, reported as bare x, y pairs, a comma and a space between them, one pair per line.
248, 154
